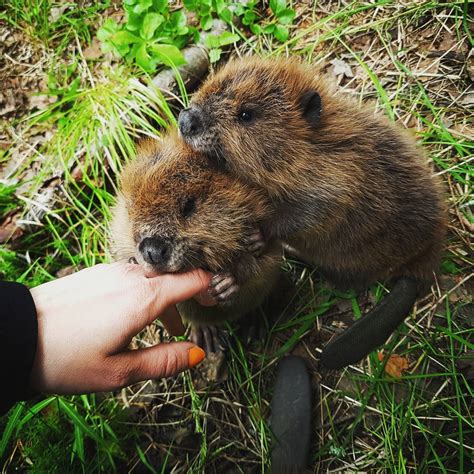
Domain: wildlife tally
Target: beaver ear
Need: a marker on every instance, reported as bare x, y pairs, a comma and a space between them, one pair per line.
311, 106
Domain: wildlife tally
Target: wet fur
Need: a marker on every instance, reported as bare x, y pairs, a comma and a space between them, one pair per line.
155, 187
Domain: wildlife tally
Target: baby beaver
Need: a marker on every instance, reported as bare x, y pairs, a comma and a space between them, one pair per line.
175, 213
350, 191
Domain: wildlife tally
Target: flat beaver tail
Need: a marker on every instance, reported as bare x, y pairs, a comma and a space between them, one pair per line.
373, 329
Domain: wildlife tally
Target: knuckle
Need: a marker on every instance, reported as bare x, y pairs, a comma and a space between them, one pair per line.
120, 374
170, 363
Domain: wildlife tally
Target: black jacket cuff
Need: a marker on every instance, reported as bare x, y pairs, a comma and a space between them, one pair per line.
18, 339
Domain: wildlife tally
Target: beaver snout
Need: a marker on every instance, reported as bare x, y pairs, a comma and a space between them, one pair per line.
190, 122
155, 251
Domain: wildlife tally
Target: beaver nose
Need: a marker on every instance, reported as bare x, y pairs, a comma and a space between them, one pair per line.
189, 122
155, 251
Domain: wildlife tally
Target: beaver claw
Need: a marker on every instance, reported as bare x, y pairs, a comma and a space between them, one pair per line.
223, 288
210, 338
254, 242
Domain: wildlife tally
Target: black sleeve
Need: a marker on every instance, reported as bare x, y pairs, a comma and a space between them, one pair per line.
18, 338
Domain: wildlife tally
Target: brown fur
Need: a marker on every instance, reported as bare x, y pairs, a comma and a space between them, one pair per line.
350, 190
154, 190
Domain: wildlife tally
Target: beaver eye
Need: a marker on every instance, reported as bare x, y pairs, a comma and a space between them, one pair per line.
246, 116
189, 207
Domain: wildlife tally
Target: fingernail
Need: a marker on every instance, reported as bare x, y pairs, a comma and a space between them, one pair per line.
195, 355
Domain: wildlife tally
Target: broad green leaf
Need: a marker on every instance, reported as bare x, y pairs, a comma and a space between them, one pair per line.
160, 5
281, 33
143, 59
225, 15
276, 6
227, 37
134, 22
219, 5
151, 22
269, 29
178, 19
286, 16
206, 22
190, 4
107, 29
124, 38
168, 54
249, 17
142, 6
256, 29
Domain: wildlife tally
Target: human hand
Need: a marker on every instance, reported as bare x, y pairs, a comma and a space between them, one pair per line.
87, 320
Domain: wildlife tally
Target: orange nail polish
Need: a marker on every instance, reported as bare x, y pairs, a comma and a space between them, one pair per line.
195, 355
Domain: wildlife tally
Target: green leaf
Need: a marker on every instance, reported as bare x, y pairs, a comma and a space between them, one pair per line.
226, 37
190, 4
286, 16
122, 38
160, 5
256, 29
281, 33
277, 5
168, 54
143, 59
249, 17
214, 55
178, 19
134, 22
142, 6
151, 22
206, 22
107, 29
269, 29
226, 15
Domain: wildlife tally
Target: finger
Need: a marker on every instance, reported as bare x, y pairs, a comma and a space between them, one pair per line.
162, 360
171, 320
174, 288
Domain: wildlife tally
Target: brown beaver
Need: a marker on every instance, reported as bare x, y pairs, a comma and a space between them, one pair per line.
350, 191
175, 213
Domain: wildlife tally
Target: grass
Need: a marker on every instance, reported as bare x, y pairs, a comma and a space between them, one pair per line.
364, 419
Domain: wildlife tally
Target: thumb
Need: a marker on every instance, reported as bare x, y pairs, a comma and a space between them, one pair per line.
162, 360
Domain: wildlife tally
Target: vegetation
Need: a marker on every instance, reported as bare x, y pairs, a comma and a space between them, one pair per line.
82, 95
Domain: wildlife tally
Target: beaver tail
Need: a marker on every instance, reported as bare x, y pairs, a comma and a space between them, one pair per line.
373, 329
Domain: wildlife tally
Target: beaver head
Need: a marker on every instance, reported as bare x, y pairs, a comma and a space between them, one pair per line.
254, 115
175, 212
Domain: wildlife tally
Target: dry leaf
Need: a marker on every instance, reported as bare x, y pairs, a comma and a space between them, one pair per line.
395, 364
93, 51
341, 67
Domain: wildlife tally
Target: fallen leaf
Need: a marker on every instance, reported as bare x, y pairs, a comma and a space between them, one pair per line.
395, 364
341, 67
93, 51
468, 99
41, 101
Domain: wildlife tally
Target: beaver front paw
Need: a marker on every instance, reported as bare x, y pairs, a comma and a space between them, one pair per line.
224, 288
254, 242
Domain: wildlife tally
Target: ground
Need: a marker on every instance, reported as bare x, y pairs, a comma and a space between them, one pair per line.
69, 118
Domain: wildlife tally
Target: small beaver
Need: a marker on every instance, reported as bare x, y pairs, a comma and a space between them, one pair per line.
175, 213
350, 191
